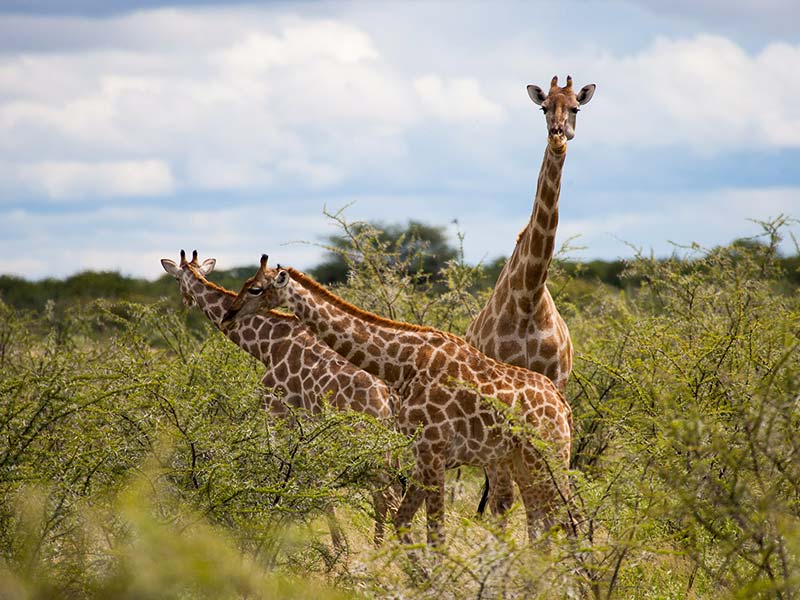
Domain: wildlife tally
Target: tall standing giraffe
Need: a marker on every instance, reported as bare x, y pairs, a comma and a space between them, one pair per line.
520, 324
460, 405
301, 371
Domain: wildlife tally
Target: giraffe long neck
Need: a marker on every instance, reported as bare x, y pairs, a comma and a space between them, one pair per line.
387, 349
212, 299
530, 261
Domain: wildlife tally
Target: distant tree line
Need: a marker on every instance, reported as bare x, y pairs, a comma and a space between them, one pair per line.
423, 250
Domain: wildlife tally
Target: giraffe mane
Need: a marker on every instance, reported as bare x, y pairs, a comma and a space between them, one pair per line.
351, 309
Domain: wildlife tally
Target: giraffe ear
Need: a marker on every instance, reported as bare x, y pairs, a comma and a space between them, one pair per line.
281, 279
171, 268
208, 265
536, 94
586, 94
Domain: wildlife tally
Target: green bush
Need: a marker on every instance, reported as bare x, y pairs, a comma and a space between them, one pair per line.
136, 459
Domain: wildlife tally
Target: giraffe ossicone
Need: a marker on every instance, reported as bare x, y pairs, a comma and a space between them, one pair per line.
456, 399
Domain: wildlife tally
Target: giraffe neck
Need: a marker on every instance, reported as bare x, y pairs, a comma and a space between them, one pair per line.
384, 348
534, 250
212, 299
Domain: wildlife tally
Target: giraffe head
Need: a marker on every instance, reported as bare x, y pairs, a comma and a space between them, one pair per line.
560, 106
182, 274
259, 293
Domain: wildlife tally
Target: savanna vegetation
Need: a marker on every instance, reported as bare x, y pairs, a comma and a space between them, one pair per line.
136, 460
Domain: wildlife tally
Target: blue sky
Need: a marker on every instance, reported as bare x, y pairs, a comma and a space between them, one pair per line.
129, 133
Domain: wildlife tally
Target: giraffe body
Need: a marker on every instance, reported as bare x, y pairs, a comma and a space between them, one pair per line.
456, 400
520, 324
301, 371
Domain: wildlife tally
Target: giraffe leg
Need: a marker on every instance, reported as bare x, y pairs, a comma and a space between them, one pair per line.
427, 485
540, 488
501, 489
336, 532
381, 509
413, 499
434, 501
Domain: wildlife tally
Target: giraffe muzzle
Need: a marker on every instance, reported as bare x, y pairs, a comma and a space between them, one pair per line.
228, 318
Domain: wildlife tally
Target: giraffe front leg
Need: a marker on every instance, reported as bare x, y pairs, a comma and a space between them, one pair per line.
409, 506
434, 501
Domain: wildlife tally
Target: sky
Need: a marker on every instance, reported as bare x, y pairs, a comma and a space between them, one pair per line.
130, 130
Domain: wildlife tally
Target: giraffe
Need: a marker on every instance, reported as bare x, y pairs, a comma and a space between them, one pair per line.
301, 371
520, 324
457, 403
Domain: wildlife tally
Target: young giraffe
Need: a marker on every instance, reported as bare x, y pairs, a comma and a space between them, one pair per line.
301, 370
457, 401
520, 324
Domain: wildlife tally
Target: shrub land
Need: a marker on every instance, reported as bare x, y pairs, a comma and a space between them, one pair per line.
136, 460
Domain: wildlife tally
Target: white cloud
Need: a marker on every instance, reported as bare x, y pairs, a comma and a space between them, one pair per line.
256, 98
704, 93
71, 179
459, 99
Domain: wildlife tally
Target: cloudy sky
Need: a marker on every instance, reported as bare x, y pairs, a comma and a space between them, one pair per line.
131, 130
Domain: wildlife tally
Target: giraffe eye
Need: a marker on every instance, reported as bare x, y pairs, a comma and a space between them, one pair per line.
255, 291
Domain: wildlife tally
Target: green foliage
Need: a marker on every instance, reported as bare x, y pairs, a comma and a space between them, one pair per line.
686, 402
136, 459
81, 415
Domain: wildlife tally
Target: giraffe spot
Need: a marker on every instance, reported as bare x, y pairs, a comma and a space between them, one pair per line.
416, 416
509, 348
357, 357
437, 362
294, 355
537, 247
390, 372
551, 371
548, 347
345, 347
538, 366
548, 246
502, 293
516, 280
432, 434
281, 330
373, 350
294, 384
406, 353
235, 337
392, 350
505, 326
372, 367
329, 339
524, 307
488, 328
466, 401
281, 371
